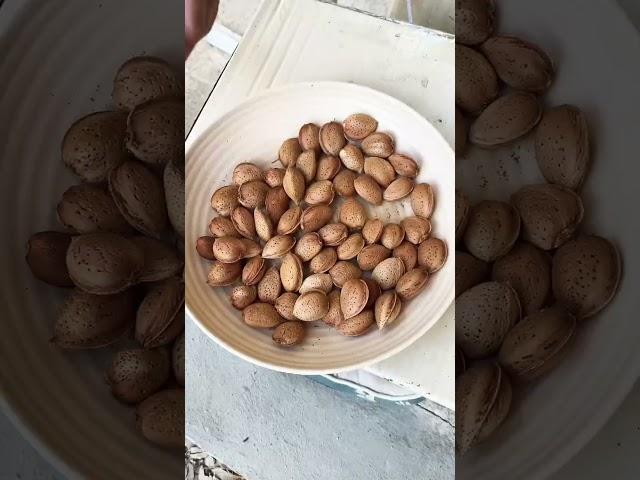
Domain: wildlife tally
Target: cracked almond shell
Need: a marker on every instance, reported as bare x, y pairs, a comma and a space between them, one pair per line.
492, 229
135, 374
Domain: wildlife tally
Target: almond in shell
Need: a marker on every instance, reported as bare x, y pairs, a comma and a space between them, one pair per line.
476, 80
261, 315
399, 188
307, 163
358, 126
291, 274
408, 253
372, 230
270, 286
432, 254
289, 221
412, 283
317, 281
246, 172
263, 224
308, 246
372, 255
343, 271
242, 296
378, 144
309, 137
253, 194
320, 192
416, 229
387, 309
274, 177
229, 249
422, 200
353, 297
284, 305
353, 214
160, 260
311, 306
404, 165
351, 247
315, 217
276, 202
332, 138
243, 222
343, 183
223, 274
470, 271
324, 260
474, 20
374, 292
352, 158
294, 184
88, 208
328, 167
289, 152
392, 235
160, 317
135, 374
225, 199
46, 256
380, 170
333, 234
253, 270
222, 227
356, 325
388, 272
288, 334
492, 229
334, 314
278, 246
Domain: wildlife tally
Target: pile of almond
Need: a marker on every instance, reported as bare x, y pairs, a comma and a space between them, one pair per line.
526, 276
121, 248
295, 242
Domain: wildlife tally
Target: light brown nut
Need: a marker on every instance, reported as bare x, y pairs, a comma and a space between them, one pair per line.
289, 221
270, 286
356, 325
311, 306
315, 217
353, 297
284, 305
378, 144
432, 254
422, 200
392, 235
368, 189
483, 400
562, 146
528, 270
492, 230
291, 274
371, 255
474, 20
155, 131
506, 119
317, 281
276, 203
278, 246
399, 188
353, 214
374, 292
380, 170
289, 151
519, 64
343, 271
263, 224
343, 183
358, 126
160, 418
550, 214
229, 249
470, 271
476, 80
332, 138
484, 315
274, 177
144, 78
328, 167
253, 194
93, 321
351, 247
412, 283
320, 193
462, 133
352, 158
324, 260
408, 253
309, 137
246, 172
160, 316
333, 234
222, 227
585, 274
104, 263
242, 296
160, 260
253, 270
139, 195
135, 374
416, 229
88, 208
536, 344
308, 246
387, 309
261, 315
288, 334
46, 256
307, 163
388, 272
251, 248
242, 219
223, 274
404, 165
225, 199
372, 230
462, 214
334, 314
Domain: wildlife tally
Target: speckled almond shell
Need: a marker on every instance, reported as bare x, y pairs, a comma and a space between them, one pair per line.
357, 325
270, 286
307, 163
242, 296
47, 257
139, 195
160, 418
274, 176
372, 230
104, 263
324, 260
416, 229
388, 272
155, 131
380, 170
291, 273
352, 158
315, 217
160, 259
474, 20
333, 234
520, 64
343, 183
358, 126
228, 249
492, 229
351, 247
320, 192
387, 309
261, 315
253, 194
423, 200
408, 253
144, 78
225, 199
284, 305
317, 281
343, 271
243, 222
332, 138
135, 374
353, 297
88, 208
550, 214
159, 319
308, 246
95, 144
93, 321
309, 137
432, 254
289, 151
328, 167
353, 214
392, 235
289, 333
246, 172
506, 119
372, 255
368, 189
484, 315
399, 188
311, 306
412, 283
294, 184
263, 224
223, 274
289, 221
222, 227
378, 144
334, 314
278, 246
404, 165
476, 80
528, 270
585, 274
276, 202
470, 271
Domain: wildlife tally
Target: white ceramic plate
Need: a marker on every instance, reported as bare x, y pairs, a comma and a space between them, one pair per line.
57, 63
253, 132
560, 413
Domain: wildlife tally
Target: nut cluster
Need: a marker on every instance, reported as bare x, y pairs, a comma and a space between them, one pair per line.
300, 242
121, 250
525, 275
